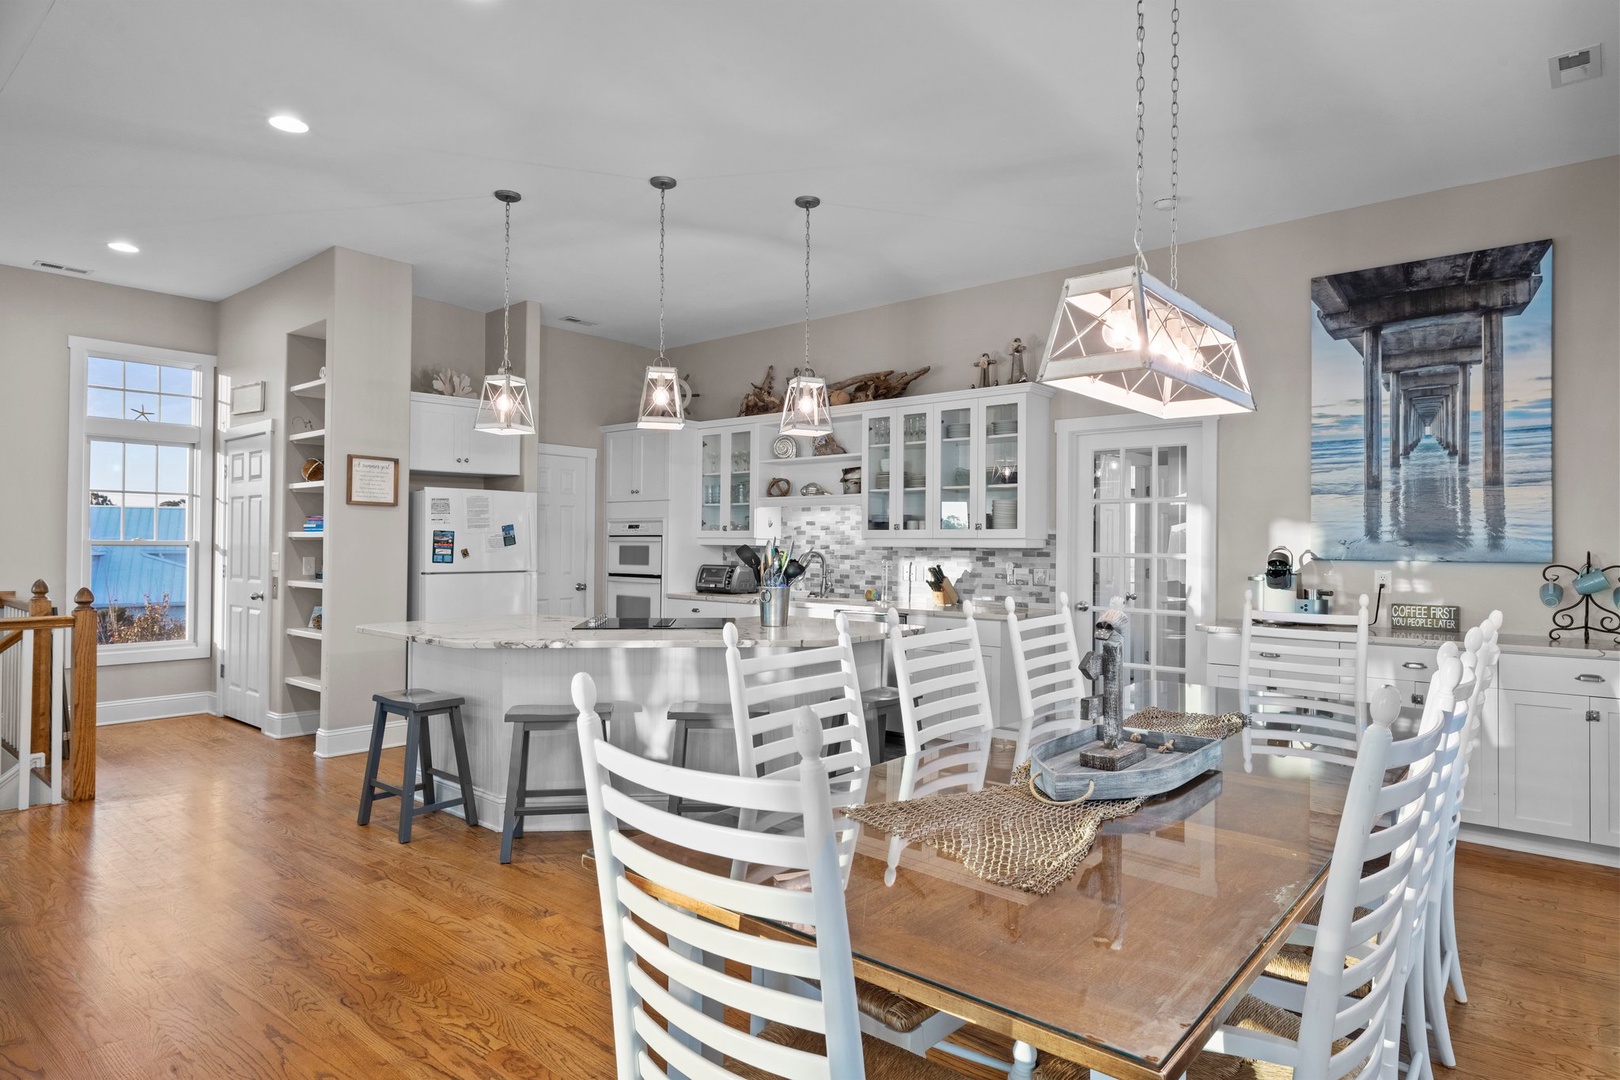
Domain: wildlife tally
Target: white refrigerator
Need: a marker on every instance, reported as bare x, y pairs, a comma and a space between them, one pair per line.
472, 553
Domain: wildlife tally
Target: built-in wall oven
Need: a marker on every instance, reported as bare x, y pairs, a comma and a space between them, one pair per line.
635, 568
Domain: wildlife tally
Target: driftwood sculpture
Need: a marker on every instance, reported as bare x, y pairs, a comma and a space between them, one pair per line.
760, 399
873, 386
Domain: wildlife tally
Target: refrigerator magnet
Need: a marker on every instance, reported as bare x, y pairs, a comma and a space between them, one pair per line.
508, 536
444, 545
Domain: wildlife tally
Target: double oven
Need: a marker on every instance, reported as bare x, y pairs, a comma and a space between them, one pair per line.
635, 568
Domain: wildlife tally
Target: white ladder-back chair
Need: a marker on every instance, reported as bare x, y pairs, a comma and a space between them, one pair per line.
653, 941
945, 708
767, 693
1046, 664
1342, 1018
1304, 685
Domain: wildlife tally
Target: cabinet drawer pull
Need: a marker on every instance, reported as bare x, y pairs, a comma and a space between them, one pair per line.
1271, 655
1588, 677
1415, 665
1591, 716
1417, 699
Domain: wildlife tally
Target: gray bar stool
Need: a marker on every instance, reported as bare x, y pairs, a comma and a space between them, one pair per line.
686, 717
525, 720
417, 707
882, 702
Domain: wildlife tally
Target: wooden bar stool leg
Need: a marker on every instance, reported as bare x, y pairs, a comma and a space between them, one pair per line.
373, 759
458, 743
407, 801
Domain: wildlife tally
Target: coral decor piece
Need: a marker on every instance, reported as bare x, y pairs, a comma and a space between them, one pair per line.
828, 444
452, 383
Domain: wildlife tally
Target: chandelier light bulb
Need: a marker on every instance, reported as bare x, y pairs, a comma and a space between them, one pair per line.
1119, 330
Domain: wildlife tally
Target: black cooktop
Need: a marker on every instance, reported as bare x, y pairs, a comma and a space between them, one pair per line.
603, 622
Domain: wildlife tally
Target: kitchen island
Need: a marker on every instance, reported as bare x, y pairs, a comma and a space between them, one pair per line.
498, 662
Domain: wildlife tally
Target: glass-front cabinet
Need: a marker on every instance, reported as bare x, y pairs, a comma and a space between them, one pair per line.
895, 472
726, 483
960, 469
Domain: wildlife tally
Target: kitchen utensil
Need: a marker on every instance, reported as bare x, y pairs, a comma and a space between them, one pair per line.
793, 571
1280, 569
749, 557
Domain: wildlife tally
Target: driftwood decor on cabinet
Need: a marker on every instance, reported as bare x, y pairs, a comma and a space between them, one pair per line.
762, 399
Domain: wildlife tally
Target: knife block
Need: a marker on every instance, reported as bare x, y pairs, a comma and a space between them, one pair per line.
945, 595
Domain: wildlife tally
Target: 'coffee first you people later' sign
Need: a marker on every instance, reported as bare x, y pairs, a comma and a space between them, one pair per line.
1423, 616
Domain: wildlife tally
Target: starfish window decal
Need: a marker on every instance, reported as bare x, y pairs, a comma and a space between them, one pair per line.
141, 413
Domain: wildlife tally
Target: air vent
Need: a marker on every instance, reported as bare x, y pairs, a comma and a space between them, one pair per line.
43, 265
575, 320
1577, 66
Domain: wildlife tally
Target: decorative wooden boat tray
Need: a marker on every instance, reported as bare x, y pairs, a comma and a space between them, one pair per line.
1057, 772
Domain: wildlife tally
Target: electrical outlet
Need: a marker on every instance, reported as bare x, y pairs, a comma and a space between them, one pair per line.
1386, 578
1038, 576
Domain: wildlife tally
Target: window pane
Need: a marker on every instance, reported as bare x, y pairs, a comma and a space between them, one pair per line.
140, 592
139, 522
171, 517
105, 372
1171, 645
177, 410
108, 403
140, 406
140, 376
106, 466
1172, 471
106, 516
177, 380
1173, 584
1106, 475
174, 468
140, 467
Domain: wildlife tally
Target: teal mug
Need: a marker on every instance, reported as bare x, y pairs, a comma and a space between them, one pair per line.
1593, 581
1552, 594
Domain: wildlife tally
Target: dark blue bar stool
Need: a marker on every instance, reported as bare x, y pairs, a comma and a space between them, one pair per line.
417, 707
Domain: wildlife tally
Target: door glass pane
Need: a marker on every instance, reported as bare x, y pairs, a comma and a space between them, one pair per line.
1105, 484
1109, 581
713, 483
1139, 473
956, 469
953, 510
1172, 479
1138, 522
1138, 583
1001, 464
1172, 584
1106, 528
1170, 642
1171, 538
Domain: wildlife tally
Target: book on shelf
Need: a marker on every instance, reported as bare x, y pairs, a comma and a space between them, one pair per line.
317, 523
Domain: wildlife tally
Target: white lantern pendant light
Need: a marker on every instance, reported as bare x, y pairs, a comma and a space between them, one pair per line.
1125, 337
504, 406
804, 403
663, 405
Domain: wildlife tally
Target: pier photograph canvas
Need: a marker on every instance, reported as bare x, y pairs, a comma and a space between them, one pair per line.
1431, 409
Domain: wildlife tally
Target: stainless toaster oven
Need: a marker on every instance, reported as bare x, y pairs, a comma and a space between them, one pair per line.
726, 578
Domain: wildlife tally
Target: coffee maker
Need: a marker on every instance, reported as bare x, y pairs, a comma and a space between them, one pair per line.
1281, 587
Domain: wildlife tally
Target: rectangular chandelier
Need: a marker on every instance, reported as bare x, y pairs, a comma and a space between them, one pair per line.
1125, 337
661, 401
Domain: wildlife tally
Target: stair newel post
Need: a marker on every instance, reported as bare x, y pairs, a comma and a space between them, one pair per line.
81, 778
40, 688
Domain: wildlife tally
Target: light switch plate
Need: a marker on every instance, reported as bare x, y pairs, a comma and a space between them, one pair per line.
309, 566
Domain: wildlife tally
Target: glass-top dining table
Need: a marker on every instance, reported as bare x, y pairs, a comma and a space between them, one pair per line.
1129, 965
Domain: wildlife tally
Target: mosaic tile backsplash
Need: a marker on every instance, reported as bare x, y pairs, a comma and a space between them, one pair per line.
854, 565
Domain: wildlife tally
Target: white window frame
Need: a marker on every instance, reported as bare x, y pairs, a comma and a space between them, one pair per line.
82, 428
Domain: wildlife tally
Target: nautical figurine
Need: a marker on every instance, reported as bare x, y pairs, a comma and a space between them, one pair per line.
1016, 352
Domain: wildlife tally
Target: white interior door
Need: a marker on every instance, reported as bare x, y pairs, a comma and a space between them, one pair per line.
1137, 502
245, 656
566, 486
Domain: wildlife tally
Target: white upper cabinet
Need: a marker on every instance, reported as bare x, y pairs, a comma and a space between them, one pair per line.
726, 478
637, 464
443, 440
959, 470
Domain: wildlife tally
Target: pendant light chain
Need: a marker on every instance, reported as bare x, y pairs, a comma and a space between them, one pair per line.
1141, 84
661, 193
807, 288
1175, 132
506, 289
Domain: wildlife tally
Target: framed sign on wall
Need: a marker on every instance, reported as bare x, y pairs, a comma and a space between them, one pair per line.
373, 481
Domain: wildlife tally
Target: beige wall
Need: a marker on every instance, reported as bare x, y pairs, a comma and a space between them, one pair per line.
38, 312
445, 336
1260, 280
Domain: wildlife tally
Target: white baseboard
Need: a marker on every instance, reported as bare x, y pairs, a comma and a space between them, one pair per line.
340, 742
1554, 847
131, 710
291, 725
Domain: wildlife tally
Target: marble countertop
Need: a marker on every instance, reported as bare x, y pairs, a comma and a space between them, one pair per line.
1523, 644
557, 632
993, 609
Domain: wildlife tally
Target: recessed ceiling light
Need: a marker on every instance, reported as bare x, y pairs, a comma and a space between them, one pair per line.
123, 245
288, 123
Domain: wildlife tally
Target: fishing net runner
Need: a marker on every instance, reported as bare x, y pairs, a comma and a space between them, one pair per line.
1009, 836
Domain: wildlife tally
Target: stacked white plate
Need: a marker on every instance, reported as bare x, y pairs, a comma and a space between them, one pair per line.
1004, 513
958, 431
880, 480
1004, 427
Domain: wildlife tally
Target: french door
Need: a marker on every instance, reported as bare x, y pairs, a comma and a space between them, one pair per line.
1136, 500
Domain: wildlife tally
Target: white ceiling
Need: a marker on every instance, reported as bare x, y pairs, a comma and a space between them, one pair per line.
952, 142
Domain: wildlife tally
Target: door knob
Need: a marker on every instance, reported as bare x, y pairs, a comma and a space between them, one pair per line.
256, 596
1082, 606
579, 587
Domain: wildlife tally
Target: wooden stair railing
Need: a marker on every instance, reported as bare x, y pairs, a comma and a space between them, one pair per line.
79, 777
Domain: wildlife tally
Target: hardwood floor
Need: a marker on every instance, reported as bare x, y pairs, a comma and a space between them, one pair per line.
217, 913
